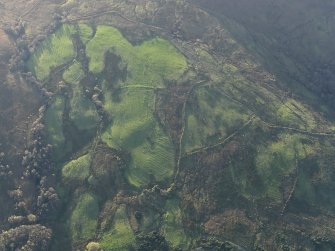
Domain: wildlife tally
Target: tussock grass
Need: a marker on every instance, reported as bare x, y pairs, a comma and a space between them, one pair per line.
54, 127
278, 160
121, 236
85, 32
172, 225
74, 73
211, 118
77, 171
82, 112
83, 221
294, 114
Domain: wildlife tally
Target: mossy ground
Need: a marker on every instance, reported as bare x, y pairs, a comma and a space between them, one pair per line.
132, 118
134, 127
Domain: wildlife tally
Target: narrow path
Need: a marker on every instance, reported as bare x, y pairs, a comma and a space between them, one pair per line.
142, 87
253, 117
181, 137
30, 9
293, 187
101, 13
297, 129
223, 141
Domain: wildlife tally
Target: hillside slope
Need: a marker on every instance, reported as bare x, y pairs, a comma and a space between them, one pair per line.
167, 125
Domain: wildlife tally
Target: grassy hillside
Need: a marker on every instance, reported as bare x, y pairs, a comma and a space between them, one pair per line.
187, 131
56, 51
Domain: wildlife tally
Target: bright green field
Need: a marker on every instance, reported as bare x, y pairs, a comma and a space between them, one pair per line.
83, 221
58, 49
132, 118
134, 129
121, 236
154, 157
148, 63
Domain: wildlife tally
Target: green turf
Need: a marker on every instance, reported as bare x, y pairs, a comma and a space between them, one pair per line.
77, 171
172, 225
85, 32
121, 236
154, 157
58, 49
148, 63
82, 112
211, 118
134, 129
132, 118
83, 221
